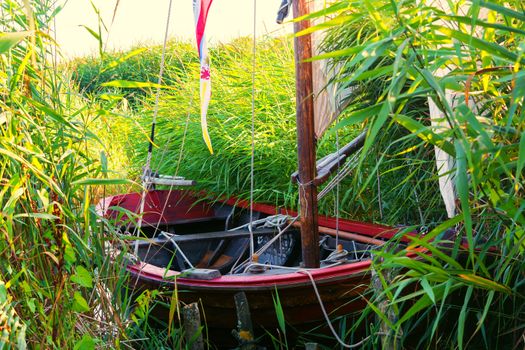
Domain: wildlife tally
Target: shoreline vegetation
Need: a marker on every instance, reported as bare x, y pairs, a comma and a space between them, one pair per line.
75, 132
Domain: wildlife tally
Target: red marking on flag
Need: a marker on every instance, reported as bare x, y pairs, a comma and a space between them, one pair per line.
205, 73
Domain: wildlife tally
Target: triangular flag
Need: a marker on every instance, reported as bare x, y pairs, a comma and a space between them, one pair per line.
200, 10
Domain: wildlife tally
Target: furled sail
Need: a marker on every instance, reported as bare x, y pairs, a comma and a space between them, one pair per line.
200, 10
326, 105
445, 163
326, 98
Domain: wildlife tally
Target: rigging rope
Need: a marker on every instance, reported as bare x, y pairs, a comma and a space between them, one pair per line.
337, 186
341, 174
325, 314
146, 174
157, 95
252, 160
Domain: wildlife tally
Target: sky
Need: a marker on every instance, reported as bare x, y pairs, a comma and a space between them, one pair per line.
144, 21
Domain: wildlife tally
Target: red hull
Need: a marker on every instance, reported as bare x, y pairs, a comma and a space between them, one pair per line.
299, 302
341, 287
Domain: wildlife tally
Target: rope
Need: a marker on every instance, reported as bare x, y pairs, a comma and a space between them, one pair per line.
170, 237
325, 314
147, 170
269, 243
157, 95
316, 291
337, 188
252, 160
341, 174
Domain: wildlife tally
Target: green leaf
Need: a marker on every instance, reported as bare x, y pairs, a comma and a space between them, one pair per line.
102, 182
442, 227
31, 305
484, 283
492, 48
20, 71
3, 292
9, 40
441, 101
463, 316
58, 117
425, 301
86, 343
91, 31
127, 84
356, 117
437, 319
82, 277
43, 216
79, 303
279, 312
69, 254
116, 62
11, 202
468, 20
486, 309
521, 156
428, 289
503, 10
424, 133
381, 315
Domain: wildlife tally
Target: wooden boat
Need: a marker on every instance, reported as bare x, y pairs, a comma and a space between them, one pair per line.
202, 249
193, 248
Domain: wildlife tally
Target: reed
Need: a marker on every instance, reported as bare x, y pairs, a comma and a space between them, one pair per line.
457, 297
57, 275
469, 292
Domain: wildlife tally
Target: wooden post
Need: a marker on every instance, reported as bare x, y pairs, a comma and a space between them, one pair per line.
388, 338
311, 346
192, 326
244, 333
306, 139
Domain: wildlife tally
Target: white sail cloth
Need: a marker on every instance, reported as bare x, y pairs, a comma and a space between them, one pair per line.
326, 104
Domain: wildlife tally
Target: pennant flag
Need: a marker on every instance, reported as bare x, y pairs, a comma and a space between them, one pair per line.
200, 10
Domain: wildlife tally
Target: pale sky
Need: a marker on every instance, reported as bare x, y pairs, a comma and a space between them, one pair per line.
144, 21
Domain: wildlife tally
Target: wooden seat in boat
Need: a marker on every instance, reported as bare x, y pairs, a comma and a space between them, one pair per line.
191, 237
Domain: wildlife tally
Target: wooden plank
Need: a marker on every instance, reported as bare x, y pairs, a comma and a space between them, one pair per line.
349, 235
244, 333
218, 235
170, 182
192, 327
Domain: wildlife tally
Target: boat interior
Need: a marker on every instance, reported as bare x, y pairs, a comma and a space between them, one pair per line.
221, 242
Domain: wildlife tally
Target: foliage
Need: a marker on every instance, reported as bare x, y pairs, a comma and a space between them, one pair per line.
393, 56
178, 131
470, 289
57, 275
139, 64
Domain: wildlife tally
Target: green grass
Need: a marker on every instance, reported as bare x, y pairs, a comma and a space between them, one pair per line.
180, 148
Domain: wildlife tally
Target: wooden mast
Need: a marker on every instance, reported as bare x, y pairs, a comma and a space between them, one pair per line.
306, 138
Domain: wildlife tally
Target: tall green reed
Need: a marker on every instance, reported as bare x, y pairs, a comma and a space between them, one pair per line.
470, 290
57, 275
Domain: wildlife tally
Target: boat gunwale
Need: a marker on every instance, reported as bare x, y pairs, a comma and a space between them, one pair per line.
322, 276
364, 228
